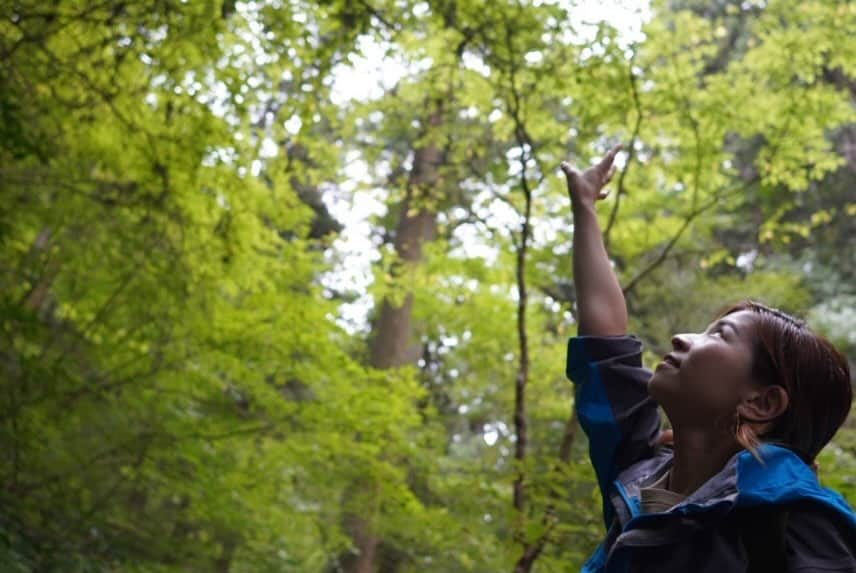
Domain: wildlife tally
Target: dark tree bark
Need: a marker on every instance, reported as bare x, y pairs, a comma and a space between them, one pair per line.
323, 223
392, 343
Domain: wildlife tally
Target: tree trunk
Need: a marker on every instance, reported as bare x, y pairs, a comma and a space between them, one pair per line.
392, 343
365, 543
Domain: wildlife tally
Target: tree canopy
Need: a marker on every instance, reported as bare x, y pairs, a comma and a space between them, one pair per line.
194, 376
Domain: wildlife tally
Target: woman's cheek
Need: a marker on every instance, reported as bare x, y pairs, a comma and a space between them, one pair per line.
716, 378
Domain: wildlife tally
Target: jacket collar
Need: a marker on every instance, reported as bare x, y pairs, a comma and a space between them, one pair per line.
779, 477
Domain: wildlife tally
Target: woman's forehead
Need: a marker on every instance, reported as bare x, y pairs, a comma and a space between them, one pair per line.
740, 318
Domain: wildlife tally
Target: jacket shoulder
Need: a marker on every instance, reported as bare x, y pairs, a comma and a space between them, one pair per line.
819, 538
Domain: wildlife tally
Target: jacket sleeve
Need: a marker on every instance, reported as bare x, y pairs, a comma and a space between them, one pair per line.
612, 405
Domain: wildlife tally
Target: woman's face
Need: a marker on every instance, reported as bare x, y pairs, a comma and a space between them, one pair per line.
706, 375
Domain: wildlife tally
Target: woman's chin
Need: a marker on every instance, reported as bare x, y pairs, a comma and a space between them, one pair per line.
661, 388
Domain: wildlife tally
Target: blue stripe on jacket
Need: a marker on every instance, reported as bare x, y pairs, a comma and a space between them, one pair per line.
612, 405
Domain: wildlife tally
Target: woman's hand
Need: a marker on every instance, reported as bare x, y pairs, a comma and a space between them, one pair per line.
601, 309
587, 187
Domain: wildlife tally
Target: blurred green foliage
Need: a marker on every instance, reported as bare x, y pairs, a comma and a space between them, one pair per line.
176, 393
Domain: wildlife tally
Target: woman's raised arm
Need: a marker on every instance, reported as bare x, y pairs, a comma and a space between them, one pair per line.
611, 385
601, 310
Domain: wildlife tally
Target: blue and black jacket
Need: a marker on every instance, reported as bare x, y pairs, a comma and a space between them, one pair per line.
715, 529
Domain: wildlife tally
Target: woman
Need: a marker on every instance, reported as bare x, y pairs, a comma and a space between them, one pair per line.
751, 401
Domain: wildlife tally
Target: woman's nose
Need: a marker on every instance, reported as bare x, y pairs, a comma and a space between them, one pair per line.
681, 342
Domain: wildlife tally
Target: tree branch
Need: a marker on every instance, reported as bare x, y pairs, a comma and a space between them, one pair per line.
690, 217
520, 426
631, 154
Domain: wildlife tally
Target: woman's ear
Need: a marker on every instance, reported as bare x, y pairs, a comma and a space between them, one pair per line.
764, 404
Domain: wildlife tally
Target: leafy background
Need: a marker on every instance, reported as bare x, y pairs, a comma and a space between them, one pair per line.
203, 369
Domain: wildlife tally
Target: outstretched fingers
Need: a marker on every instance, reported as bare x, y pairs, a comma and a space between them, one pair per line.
606, 162
609, 175
567, 169
588, 185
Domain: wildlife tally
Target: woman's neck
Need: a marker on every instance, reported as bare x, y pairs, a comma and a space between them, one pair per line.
700, 453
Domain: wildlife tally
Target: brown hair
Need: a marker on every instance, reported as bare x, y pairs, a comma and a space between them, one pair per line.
813, 372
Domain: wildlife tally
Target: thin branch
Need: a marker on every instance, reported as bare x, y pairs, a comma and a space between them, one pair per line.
690, 217
533, 550
521, 379
631, 153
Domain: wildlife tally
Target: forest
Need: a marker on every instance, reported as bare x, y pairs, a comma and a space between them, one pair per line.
287, 285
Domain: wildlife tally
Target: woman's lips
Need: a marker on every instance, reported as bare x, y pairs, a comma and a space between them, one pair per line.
671, 361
